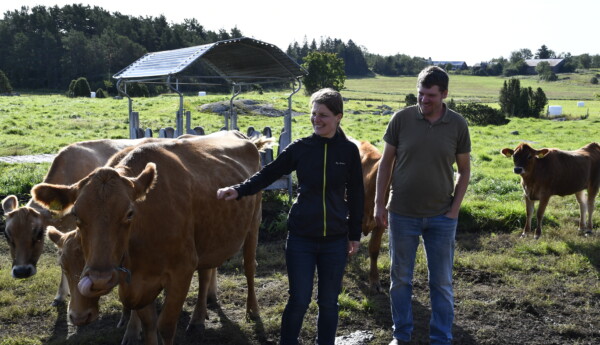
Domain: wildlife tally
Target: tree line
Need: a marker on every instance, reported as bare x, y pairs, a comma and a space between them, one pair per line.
48, 47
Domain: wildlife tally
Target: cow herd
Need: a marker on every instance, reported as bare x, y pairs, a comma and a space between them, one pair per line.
142, 215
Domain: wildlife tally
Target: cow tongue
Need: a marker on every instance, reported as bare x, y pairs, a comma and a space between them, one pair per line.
85, 286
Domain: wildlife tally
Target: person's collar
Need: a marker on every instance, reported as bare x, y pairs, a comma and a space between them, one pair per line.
445, 118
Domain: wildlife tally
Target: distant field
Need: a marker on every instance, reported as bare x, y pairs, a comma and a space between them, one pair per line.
463, 88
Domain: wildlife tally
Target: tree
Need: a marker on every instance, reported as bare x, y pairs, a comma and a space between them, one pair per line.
324, 70
545, 53
539, 102
521, 102
585, 61
5, 83
545, 71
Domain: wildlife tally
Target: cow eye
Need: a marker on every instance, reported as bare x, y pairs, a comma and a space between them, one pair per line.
39, 234
129, 216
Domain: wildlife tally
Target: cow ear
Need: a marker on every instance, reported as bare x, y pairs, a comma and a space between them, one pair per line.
507, 152
144, 181
54, 197
9, 204
541, 153
55, 236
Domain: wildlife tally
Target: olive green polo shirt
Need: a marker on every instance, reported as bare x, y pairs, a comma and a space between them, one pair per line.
423, 177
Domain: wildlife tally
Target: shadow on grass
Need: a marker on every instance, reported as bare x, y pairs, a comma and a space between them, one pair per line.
591, 250
380, 310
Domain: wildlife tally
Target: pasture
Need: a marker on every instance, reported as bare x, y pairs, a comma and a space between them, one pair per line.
508, 290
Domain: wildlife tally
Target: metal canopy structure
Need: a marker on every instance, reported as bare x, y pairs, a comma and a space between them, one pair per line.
239, 61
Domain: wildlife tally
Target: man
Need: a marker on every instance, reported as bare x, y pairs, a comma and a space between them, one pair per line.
422, 143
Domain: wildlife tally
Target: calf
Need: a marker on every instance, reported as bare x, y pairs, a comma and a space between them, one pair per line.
548, 172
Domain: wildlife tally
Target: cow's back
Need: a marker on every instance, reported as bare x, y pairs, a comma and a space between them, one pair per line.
75, 161
559, 173
189, 172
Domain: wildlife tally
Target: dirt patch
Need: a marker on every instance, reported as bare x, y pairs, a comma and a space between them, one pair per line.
44, 158
246, 107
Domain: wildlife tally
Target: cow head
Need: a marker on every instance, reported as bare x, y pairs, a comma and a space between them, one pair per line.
24, 233
104, 205
82, 310
524, 157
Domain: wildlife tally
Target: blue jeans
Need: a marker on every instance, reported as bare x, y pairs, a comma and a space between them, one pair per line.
302, 256
438, 238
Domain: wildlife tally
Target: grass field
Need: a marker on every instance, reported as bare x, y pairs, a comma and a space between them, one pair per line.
508, 290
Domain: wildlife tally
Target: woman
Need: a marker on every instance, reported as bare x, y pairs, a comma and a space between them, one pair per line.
324, 223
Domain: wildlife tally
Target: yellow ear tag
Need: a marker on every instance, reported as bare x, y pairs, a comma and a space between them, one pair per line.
55, 205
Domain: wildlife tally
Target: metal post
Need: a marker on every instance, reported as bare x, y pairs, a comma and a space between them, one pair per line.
132, 133
179, 114
235, 91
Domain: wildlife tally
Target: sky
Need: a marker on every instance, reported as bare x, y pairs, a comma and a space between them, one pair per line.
457, 30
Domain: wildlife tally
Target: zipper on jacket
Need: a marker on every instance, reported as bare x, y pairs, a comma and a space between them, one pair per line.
324, 183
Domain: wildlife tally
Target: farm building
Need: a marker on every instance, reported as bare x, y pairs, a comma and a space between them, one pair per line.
456, 65
555, 64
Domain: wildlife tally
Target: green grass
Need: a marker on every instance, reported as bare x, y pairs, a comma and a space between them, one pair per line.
505, 286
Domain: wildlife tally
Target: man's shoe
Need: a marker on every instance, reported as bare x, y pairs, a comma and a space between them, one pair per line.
398, 342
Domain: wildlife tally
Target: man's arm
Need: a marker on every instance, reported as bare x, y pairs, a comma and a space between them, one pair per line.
384, 175
463, 175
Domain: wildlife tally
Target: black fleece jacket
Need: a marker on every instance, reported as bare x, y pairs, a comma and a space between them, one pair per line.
330, 198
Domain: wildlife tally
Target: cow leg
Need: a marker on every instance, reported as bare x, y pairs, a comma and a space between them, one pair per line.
148, 319
581, 200
374, 247
529, 208
175, 294
591, 199
134, 329
252, 311
63, 291
540, 216
211, 297
196, 324
125, 315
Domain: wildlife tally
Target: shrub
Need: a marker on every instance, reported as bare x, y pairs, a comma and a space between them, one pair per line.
481, 114
5, 86
410, 99
594, 80
101, 93
137, 90
79, 88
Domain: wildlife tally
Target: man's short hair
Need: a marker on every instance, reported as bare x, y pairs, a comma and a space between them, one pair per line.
433, 75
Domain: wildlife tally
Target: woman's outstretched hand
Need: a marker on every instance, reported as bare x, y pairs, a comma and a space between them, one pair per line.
227, 193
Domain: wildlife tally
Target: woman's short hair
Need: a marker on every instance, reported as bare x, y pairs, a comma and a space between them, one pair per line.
330, 98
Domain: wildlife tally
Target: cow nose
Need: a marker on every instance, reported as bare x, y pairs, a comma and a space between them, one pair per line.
80, 319
518, 170
23, 271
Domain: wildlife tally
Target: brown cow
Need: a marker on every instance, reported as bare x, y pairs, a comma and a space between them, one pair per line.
150, 222
25, 226
369, 158
548, 172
